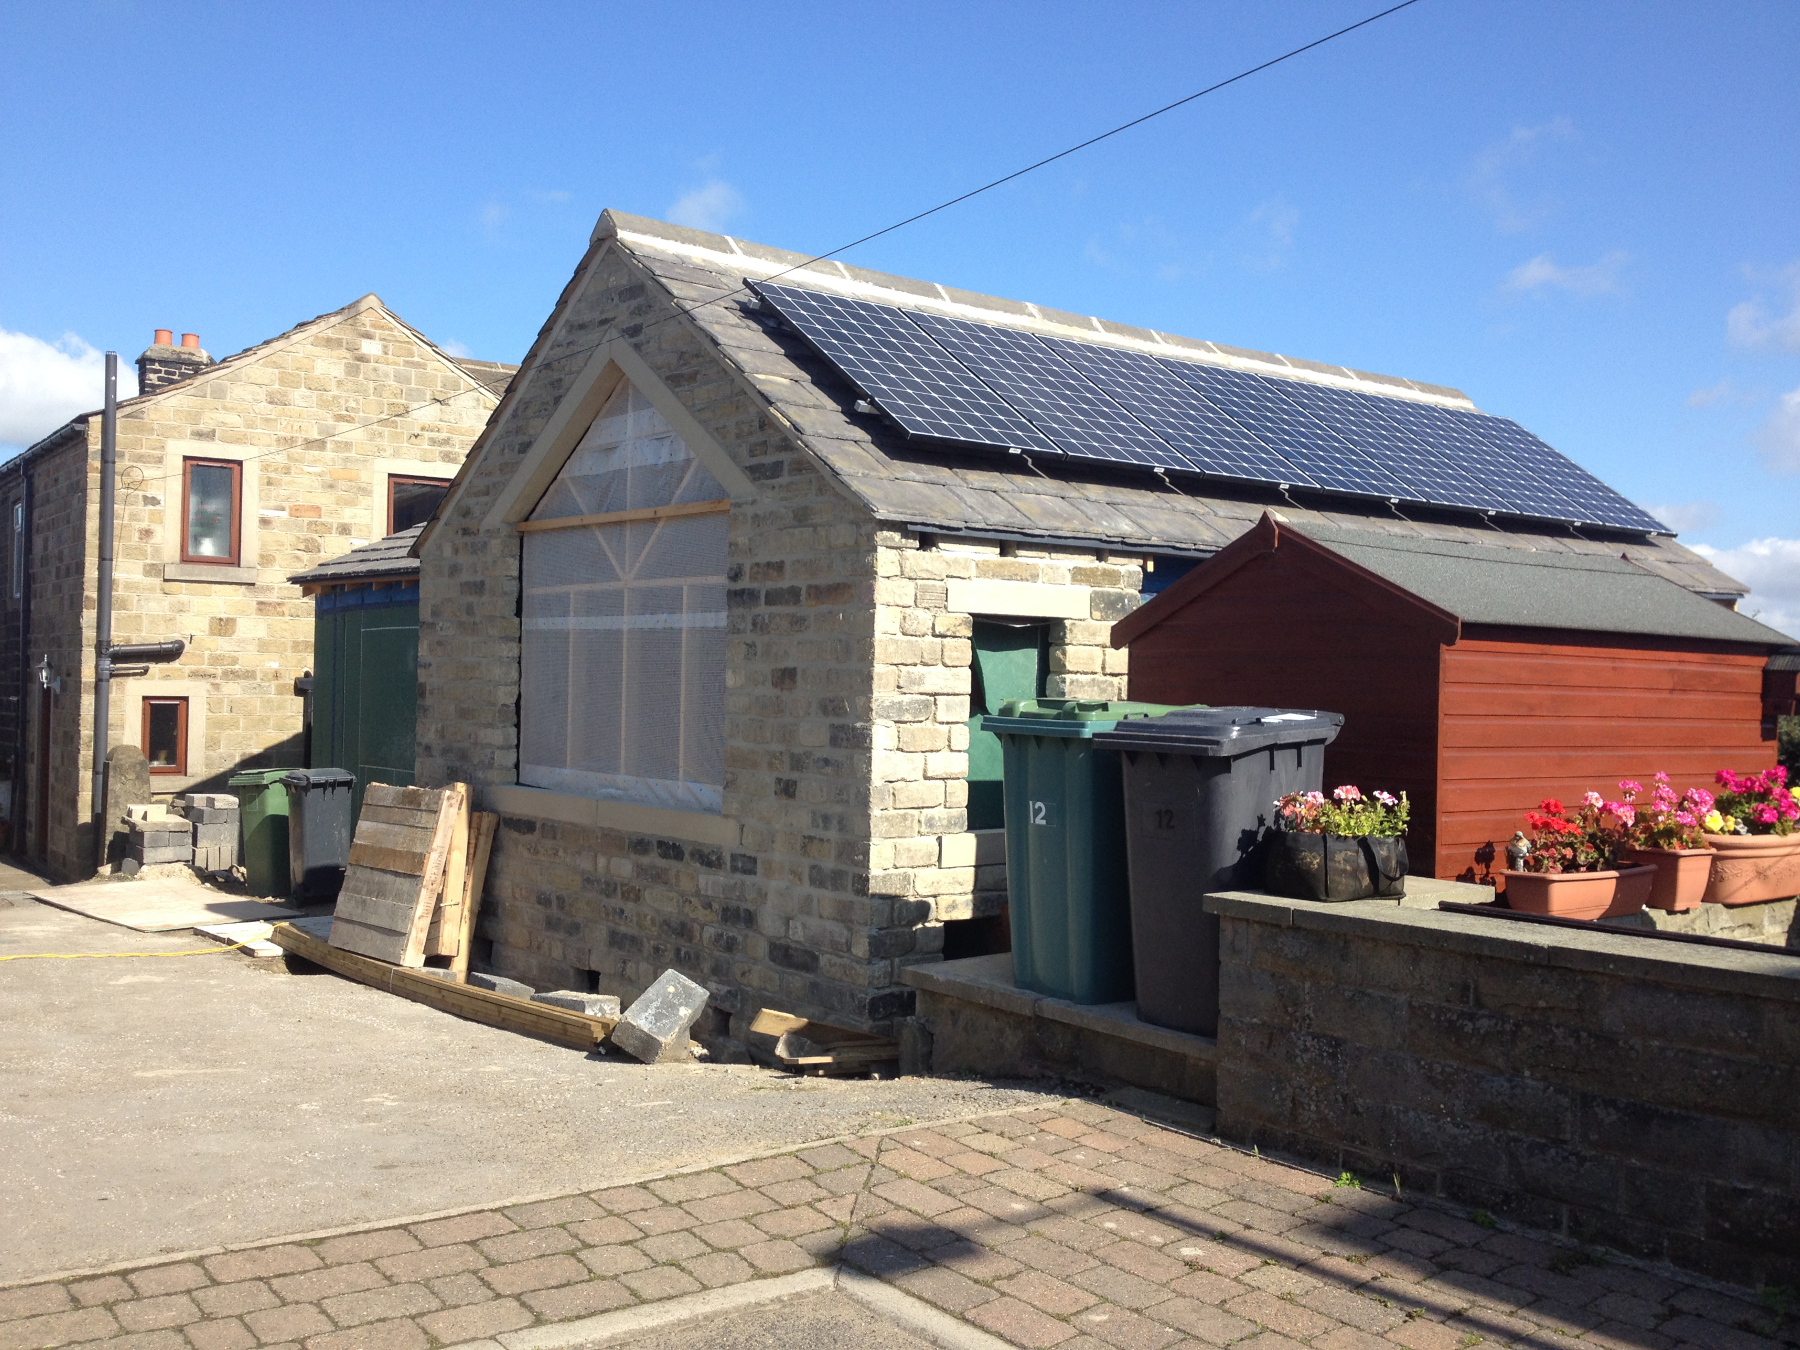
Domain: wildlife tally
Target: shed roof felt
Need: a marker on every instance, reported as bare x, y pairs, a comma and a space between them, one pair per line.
1506, 587
993, 496
390, 557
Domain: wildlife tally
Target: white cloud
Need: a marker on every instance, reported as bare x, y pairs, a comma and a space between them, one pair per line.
454, 348
1726, 392
1599, 278
1751, 325
1771, 568
708, 207
1489, 179
1271, 229
44, 384
1779, 438
1686, 517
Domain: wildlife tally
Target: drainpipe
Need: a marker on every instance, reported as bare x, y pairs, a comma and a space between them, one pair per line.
109, 460
22, 719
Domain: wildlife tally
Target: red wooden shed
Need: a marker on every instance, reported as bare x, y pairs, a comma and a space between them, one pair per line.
1478, 679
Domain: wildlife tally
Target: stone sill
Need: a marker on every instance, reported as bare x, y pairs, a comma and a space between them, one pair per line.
513, 799
1417, 922
216, 574
988, 981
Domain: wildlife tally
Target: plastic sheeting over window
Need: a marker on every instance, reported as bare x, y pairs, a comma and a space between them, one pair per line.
623, 666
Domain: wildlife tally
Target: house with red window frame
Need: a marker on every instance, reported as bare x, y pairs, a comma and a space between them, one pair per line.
233, 474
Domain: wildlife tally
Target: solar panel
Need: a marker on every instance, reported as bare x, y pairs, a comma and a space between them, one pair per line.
1258, 404
1151, 390
1068, 409
1588, 499
1431, 471
984, 384
914, 380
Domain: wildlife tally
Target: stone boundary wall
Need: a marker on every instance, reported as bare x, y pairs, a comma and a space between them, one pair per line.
1621, 1090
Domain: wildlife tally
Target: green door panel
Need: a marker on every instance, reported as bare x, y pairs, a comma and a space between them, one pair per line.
1011, 661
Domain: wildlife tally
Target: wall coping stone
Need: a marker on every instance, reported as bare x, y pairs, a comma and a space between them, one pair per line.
988, 981
1775, 975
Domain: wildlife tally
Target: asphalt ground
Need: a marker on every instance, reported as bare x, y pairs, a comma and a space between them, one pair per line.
159, 1106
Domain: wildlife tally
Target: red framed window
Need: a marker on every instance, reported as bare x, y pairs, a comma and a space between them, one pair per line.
413, 500
211, 502
165, 733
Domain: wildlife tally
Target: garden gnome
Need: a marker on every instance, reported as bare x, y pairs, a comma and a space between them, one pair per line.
1517, 852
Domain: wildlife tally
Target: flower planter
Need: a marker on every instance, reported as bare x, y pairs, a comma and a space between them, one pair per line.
1748, 869
1580, 895
1681, 875
1334, 866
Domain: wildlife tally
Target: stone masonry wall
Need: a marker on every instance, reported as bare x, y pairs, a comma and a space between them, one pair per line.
1617, 1089
780, 916
306, 500
923, 684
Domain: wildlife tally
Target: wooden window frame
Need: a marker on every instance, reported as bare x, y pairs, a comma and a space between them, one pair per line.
237, 510
179, 768
394, 478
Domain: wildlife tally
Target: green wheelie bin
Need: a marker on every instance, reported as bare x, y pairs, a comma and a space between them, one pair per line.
263, 809
1065, 846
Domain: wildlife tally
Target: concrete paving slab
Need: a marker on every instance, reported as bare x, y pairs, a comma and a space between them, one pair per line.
161, 1106
159, 906
253, 935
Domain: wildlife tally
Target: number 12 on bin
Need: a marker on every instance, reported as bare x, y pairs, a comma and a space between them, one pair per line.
1040, 813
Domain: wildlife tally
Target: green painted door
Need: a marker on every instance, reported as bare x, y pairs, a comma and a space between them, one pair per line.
365, 693
1011, 661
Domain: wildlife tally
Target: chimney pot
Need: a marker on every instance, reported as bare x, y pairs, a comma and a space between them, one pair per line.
163, 338
191, 340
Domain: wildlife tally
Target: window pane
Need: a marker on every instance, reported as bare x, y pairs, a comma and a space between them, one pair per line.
164, 734
414, 499
210, 508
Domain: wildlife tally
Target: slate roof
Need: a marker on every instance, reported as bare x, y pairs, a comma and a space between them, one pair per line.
999, 497
385, 558
1480, 583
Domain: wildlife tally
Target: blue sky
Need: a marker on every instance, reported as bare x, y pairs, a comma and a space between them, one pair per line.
1586, 216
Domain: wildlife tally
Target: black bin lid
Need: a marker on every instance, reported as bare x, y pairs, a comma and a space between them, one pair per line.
1211, 733
302, 779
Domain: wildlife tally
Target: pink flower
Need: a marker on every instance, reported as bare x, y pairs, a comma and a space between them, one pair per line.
1347, 793
1593, 799
1386, 798
1626, 785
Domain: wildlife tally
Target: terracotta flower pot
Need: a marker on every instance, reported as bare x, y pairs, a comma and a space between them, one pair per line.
1681, 875
1751, 868
1580, 895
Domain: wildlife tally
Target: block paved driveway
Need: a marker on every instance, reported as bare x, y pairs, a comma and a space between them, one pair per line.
1068, 1225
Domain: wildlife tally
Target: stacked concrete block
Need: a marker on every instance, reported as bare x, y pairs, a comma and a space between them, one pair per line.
214, 816
159, 837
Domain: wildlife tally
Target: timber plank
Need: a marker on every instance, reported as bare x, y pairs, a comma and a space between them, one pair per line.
396, 815
461, 1000
383, 834
410, 861
445, 933
406, 798
474, 880
450, 804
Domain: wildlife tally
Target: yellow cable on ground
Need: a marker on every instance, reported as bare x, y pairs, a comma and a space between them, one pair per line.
98, 956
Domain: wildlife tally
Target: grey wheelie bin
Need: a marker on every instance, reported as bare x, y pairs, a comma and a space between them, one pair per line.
1065, 846
319, 828
1200, 791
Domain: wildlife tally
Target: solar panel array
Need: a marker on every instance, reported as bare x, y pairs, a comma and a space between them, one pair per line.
980, 384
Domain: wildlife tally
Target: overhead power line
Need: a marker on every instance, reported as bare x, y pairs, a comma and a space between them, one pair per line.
682, 311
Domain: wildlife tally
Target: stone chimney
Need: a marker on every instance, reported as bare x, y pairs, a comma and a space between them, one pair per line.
164, 364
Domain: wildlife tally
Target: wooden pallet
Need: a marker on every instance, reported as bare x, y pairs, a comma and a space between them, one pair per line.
400, 861
445, 994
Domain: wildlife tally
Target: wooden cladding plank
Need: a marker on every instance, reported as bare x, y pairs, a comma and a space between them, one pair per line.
415, 835
460, 1000
405, 817
709, 508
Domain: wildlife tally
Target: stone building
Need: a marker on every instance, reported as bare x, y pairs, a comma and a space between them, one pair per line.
232, 474
709, 631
